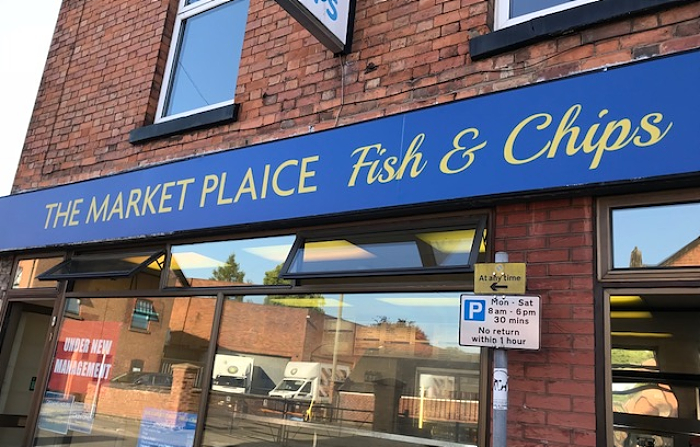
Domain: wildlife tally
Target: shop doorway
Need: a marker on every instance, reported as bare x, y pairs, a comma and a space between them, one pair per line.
22, 345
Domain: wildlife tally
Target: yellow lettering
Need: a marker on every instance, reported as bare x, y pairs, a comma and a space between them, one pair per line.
387, 172
275, 178
50, 207
623, 128
61, 214
247, 186
361, 162
508, 149
133, 202
266, 179
305, 174
148, 200
220, 199
566, 128
211, 181
655, 134
183, 192
412, 155
468, 153
94, 213
117, 208
164, 196
74, 212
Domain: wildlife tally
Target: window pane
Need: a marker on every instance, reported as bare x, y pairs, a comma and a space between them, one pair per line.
139, 387
655, 365
522, 7
656, 236
106, 265
229, 263
205, 69
387, 368
388, 250
28, 270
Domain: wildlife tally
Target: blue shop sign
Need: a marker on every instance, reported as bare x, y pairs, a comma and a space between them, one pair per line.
632, 122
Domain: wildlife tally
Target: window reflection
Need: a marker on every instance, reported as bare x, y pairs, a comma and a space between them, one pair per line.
641, 238
290, 369
132, 386
388, 251
229, 263
28, 269
520, 7
655, 361
205, 67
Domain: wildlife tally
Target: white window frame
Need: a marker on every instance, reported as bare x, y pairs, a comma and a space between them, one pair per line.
502, 7
184, 12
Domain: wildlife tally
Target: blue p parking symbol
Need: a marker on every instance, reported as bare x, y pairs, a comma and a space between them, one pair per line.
475, 310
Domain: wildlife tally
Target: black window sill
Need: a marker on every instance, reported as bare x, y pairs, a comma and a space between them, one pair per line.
209, 118
559, 23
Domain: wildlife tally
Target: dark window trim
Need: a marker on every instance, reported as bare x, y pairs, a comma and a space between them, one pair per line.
477, 222
210, 118
559, 23
606, 274
63, 270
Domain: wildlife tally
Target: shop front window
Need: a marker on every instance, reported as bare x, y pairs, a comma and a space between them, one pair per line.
343, 369
655, 362
108, 383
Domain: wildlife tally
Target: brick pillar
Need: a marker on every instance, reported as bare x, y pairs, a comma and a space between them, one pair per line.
551, 392
183, 396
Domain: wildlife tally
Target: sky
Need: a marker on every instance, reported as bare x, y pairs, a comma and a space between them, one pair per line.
26, 28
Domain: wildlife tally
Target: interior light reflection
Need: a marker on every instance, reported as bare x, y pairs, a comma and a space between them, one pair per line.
333, 251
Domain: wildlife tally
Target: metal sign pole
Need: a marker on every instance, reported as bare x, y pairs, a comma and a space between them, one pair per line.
500, 387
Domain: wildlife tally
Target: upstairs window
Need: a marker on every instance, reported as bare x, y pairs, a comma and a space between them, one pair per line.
144, 312
203, 63
511, 12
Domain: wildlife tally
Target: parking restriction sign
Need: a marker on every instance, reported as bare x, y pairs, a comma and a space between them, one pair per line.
500, 321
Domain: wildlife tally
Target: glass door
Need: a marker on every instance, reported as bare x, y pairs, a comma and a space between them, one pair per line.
22, 345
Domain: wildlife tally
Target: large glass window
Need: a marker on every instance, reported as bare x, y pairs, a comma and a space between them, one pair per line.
655, 360
511, 12
343, 369
111, 384
203, 63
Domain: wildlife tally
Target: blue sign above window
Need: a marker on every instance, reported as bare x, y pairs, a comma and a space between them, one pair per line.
631, 122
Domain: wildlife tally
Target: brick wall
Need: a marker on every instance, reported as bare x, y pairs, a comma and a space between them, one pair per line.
552, 391
131, 403
106, 61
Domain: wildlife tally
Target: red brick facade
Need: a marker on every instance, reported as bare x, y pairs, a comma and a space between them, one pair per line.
552, 391
106, 63
103, 78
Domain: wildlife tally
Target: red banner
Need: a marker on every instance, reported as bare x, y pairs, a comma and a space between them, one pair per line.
84, 355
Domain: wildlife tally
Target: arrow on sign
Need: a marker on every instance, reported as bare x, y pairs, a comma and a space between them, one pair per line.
495, 287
